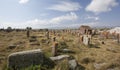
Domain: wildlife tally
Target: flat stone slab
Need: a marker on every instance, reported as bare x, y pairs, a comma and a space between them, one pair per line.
60, 57
99, 66
67, 50
112, 49
25, 58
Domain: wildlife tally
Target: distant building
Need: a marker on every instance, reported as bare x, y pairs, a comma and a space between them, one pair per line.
85, 29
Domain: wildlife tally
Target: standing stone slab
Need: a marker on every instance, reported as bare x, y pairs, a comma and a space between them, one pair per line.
118, 38
24, 59
54, 39
86, 39
28, 33
54, 49
47, 35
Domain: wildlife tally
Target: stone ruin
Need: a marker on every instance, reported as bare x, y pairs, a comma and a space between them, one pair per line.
85, 29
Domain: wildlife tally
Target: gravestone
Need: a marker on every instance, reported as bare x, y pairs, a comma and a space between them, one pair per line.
62, 37
25, 58
54, 33
54, 39
78, 34
54, 49
47, 35
118, 38
81, 39
86, 40
28, 33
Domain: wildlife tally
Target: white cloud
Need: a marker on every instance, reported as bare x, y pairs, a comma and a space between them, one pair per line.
23, 1
95, 18
99, 6
92, 24
43, 23
71, 16
66, 6
35, 23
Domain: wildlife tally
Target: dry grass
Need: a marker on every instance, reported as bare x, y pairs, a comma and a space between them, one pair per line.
84, 55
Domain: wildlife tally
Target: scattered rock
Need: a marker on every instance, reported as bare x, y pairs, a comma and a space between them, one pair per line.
11, 47
72, 64
60, 57
114, 68
103, 42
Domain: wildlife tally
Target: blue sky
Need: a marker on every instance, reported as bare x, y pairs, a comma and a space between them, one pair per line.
59, 13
